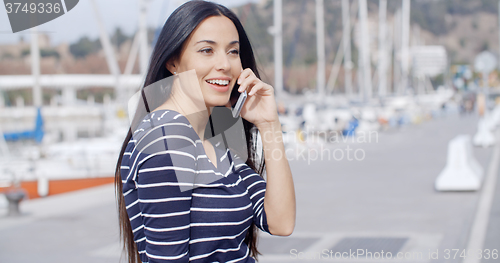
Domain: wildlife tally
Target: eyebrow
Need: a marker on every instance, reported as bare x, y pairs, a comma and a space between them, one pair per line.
213, 42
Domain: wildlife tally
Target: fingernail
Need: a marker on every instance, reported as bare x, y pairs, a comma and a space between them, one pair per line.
239, 81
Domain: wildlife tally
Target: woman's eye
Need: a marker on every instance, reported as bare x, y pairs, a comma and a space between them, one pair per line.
234, 51
206, 50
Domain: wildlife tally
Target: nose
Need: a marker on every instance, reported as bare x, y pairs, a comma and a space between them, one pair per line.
223, 63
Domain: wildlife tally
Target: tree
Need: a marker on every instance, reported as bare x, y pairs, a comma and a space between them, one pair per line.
84, 47
118, 37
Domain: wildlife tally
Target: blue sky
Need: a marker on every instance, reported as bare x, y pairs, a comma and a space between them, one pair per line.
80, 21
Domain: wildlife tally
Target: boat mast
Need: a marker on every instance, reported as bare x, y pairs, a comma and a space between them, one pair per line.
143, 37
382, 49
278, 47
405, 41
35, 68
320, 42
499, 34
113, 67
365, 52
346, 38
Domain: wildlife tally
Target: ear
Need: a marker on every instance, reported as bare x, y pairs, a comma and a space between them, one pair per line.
170, 65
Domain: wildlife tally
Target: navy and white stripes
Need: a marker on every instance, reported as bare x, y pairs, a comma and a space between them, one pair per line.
181, 207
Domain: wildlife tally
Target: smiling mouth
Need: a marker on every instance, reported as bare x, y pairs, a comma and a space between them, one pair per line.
220, 83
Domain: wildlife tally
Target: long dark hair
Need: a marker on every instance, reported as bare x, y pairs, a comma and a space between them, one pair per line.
177, 29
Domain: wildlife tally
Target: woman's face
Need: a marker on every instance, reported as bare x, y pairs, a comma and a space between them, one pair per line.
212, 51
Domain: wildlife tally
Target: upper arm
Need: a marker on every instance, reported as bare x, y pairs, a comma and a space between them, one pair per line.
256, 186
164, 201
158, 186
164, 180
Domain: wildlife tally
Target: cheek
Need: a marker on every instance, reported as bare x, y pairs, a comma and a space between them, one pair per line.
237, 68
238, 64
202, 72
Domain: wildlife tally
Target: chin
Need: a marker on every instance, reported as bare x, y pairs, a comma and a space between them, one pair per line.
217, 102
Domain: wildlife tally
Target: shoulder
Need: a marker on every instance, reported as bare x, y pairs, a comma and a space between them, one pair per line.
158, 121
164, 129
163, 141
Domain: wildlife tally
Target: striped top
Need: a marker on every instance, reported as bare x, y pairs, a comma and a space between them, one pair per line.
181, 207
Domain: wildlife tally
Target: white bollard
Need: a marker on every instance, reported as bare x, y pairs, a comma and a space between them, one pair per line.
484, 137
43, 186
462, 171
3, 202
474, 164
495, 116
489, 119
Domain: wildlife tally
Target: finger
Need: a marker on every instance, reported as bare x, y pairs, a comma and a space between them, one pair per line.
256, 88
263, 89
245, 74
248, 83
269, 88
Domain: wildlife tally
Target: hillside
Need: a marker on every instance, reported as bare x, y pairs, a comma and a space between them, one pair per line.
464, 27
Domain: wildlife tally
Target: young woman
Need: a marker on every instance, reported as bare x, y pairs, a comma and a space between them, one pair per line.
169, 210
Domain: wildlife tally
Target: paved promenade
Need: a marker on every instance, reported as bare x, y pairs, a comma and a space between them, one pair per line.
384, 201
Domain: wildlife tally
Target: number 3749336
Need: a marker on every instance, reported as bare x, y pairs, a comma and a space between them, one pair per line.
477, 253
33, 8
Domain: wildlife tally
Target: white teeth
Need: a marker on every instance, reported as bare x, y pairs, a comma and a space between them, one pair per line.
219, 82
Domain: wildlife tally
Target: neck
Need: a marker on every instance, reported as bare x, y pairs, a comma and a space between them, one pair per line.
197, 115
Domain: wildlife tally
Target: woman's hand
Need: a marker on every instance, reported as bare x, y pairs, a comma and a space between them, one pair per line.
260, 106
260, 109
